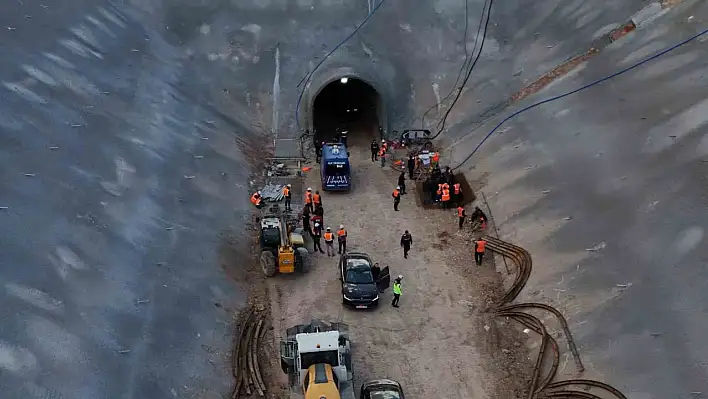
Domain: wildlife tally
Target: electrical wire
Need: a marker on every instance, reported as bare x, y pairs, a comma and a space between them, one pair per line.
464, 63
308, 76
469, 72
558, 97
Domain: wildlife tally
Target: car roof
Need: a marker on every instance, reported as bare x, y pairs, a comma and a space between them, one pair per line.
358, 263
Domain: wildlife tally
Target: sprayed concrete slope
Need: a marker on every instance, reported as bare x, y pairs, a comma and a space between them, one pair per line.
606, 189
133, 120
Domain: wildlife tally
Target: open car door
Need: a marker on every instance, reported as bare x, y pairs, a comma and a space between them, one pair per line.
384, 280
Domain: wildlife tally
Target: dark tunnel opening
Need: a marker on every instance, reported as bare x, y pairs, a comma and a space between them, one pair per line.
347, 104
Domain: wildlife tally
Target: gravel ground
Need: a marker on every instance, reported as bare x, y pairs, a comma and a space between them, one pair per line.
436, 343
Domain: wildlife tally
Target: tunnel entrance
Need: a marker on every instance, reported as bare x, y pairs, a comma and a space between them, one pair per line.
348, 104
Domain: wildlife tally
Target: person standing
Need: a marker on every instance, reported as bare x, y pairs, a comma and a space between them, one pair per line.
329, 241
402, 182
317, 199
288, 195
396, 198
308, 199
342, 239
316, 235
374, 150
343, 137
457, 193
382, 156
397, 292
375, 271
306, 220
406, 242
461, 215
318, 151
411, 166
479, 248
445, 198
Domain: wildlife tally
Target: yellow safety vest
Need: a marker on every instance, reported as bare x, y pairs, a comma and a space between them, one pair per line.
397, 288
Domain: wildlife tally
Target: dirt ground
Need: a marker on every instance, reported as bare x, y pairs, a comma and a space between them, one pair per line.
441, 342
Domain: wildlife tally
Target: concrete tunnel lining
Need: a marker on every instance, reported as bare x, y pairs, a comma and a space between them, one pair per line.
322, 79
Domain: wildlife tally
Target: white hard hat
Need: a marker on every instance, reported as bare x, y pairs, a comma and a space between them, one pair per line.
341, 226
328, 228
398, 187
259, 192
383, 141
309, 189
317, 224
289, 185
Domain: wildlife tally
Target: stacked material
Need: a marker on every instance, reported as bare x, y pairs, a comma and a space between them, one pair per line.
272, 192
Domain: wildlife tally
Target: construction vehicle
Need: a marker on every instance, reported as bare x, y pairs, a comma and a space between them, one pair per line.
282, 246
317, 359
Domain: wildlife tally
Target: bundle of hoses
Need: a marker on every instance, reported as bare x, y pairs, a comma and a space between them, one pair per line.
542, 386
244, 357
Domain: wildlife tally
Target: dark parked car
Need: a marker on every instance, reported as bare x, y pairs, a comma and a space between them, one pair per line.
360, 284
382, 389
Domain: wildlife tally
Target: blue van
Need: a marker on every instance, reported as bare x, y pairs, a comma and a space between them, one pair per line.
334, 168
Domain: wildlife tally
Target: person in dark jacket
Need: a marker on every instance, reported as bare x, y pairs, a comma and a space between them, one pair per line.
411, 166
402, 182
316, 236
374, 150
306, 220
406, 242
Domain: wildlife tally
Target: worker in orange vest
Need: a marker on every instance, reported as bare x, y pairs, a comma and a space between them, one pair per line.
439, 192
342, 239
457, 193
479, 250
446, 198
382, 155
396, 198
436, 158
317, 199
288, 195
308, 199
257, 200
329, 241
461, 215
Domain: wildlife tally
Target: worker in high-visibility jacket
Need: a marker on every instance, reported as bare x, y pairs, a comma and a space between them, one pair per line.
396, 198
397, 292
461, 215
342, 239
438, 193
329, 241
257, 200
308, 199
446, 198
288, 195
479, 248
317, 199
456, 194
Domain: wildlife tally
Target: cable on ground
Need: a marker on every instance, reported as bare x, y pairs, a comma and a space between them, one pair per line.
306, 79
558, 97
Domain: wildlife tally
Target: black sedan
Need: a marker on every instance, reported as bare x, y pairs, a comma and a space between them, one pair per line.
382, 389
361, 282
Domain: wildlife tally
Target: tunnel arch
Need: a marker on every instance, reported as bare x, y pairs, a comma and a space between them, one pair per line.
324, 78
